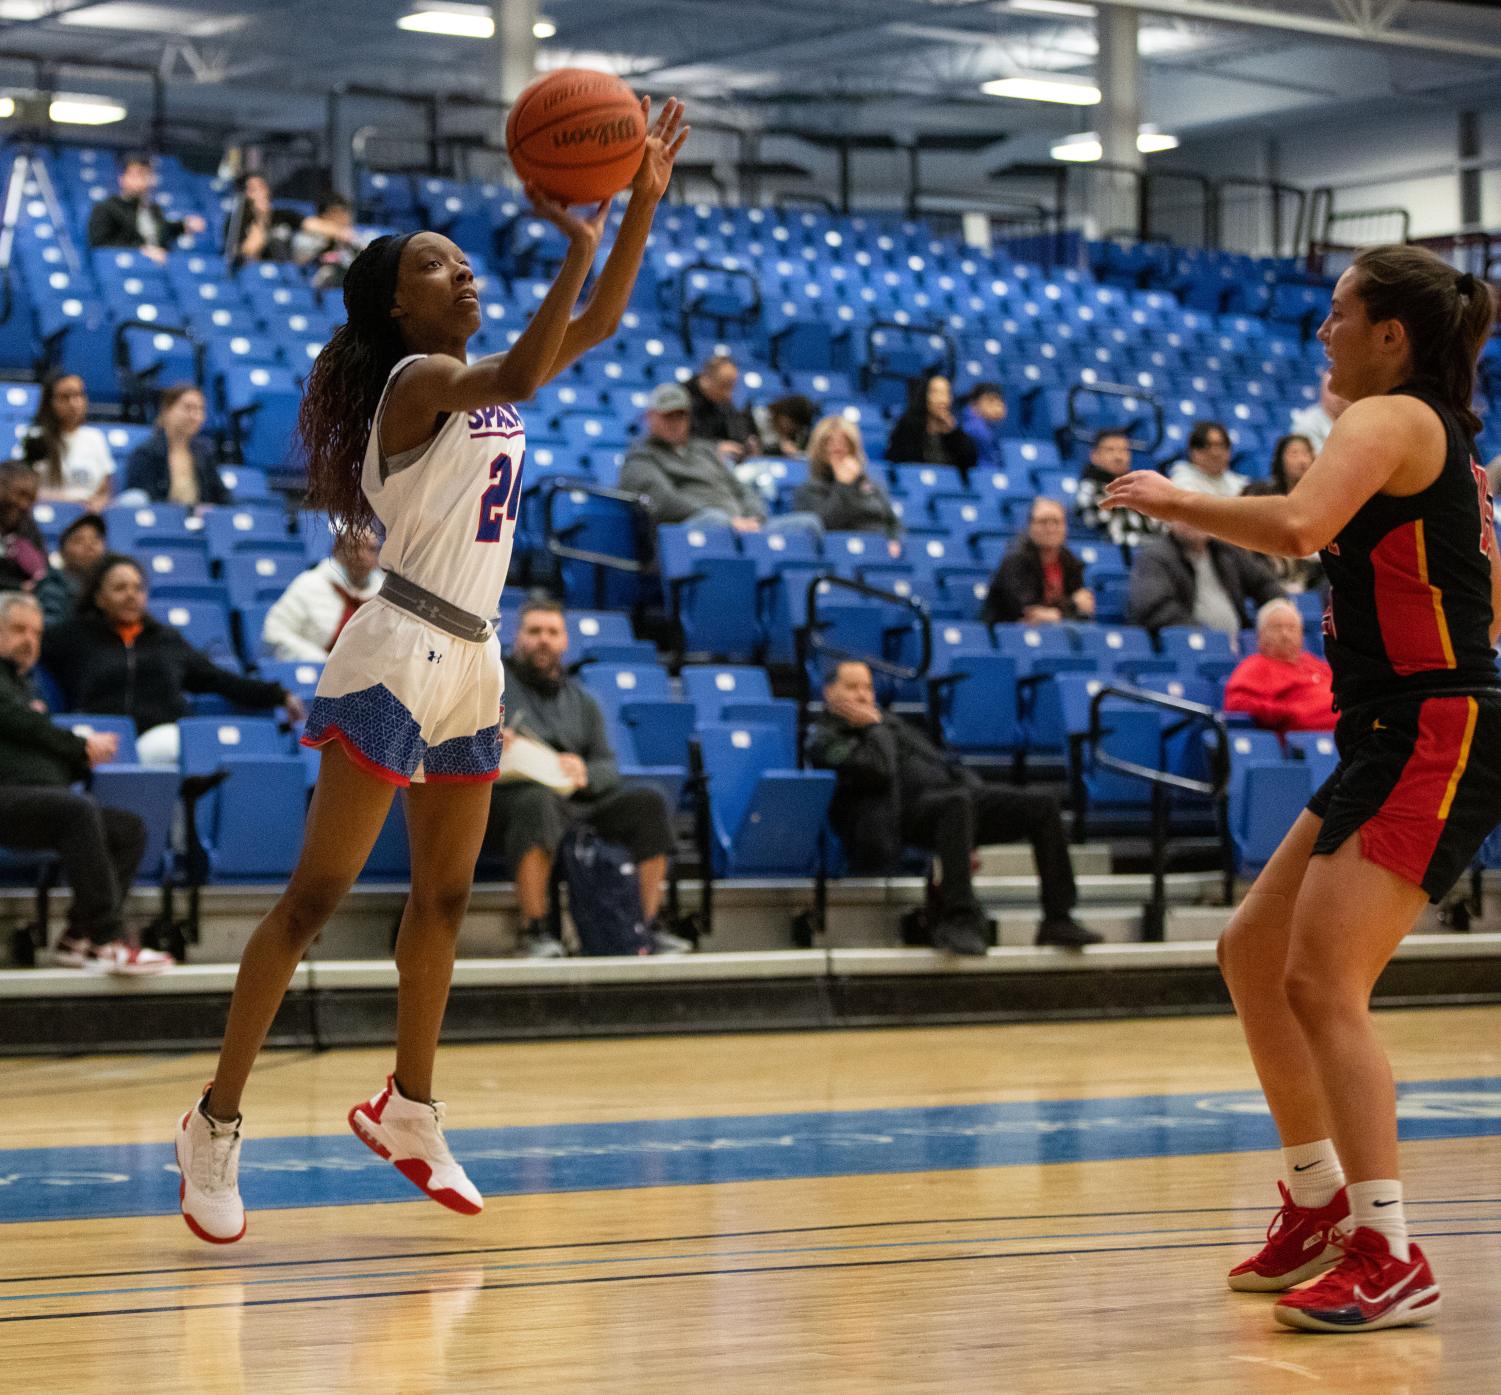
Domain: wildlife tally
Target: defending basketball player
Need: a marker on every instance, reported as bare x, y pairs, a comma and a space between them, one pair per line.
1400, 512
400, 427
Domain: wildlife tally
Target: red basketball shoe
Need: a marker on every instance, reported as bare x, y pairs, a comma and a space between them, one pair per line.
1299, 1244
410, 1135
1367, 1289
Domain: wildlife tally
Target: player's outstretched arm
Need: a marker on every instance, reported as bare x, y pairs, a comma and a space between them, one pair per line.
440, 383
600, 317
1376, 442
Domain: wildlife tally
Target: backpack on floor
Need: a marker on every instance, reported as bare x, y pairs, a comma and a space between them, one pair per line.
604, 894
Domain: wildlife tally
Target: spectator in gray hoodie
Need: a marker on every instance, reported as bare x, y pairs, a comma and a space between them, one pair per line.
685, 481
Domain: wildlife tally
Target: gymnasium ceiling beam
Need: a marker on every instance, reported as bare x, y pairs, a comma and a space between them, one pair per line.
1264, 17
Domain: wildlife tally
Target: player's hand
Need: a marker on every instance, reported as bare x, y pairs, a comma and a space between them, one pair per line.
575, 770
1145, 491
663, 141
584, 233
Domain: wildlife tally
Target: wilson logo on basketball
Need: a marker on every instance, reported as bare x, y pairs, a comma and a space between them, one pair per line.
566, 92
602, 133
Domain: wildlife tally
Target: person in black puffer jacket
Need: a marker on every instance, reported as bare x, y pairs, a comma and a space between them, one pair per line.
112, 656
838, 489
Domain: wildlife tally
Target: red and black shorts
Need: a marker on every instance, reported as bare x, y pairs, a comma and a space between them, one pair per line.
1420, 780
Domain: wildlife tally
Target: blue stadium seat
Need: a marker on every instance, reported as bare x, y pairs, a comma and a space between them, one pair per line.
205, 625
262, 402
614, 684
208, 741
767, 817
253, 829
1317, 750
1265, 801
711, 589
976, 704
88, 723
299, 676
150, 793
245, 528
255, 578
183, 564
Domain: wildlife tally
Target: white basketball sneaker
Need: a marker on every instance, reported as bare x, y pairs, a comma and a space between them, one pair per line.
208, 1156
410, 1135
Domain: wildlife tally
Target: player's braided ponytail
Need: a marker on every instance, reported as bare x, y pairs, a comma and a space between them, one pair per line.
345, 386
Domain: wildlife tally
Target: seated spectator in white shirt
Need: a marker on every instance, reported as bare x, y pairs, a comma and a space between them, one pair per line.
72, 458
1316, 420
1207, 469
312, 611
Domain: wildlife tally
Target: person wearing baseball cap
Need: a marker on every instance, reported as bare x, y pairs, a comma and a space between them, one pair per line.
684, 480
80, 546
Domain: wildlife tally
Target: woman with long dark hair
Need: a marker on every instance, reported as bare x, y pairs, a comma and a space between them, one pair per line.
399, 427
72, 458
926, 432
115, 656
1292, 456
1396, 503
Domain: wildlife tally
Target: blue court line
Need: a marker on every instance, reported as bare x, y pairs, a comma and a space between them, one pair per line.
1238, 1237
75, 1183
734, 1272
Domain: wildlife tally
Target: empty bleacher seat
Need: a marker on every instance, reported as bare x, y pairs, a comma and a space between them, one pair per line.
767, 816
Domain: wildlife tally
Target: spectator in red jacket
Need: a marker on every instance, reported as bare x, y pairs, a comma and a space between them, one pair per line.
1282, 685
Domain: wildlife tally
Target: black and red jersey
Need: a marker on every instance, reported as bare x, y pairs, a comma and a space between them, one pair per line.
1410, 584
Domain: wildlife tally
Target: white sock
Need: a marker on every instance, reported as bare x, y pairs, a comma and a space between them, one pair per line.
1313, 1172
1378, 1206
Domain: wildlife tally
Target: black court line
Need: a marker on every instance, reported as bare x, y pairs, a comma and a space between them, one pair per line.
1067, 1242
295, 1057
470, 1252
738, 1271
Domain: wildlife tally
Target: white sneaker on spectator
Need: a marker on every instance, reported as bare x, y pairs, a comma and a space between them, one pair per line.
126, 960
208, 1157
73, 952
410, 1136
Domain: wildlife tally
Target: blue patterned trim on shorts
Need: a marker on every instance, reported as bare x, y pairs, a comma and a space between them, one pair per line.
463, 757
376, 723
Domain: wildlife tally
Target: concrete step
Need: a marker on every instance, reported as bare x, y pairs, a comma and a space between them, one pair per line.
1015, 860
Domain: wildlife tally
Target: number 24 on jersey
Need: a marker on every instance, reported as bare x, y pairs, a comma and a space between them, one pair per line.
501, 499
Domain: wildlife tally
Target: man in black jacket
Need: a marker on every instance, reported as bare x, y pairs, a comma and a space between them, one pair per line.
715, 417
1188, 578
528, 820
895, 789
131, 218
100, 848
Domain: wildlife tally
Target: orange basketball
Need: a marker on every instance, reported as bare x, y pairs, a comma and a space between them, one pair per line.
577, 135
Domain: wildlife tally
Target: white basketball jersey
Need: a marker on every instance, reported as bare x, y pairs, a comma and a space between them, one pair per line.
449, 507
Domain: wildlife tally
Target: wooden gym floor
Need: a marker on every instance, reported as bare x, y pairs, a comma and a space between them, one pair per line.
1004, 1209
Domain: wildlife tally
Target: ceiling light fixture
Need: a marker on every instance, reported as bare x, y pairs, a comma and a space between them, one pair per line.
1044, 89
544, 28
1068, 9
1085, 148
74, 109
452, 21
